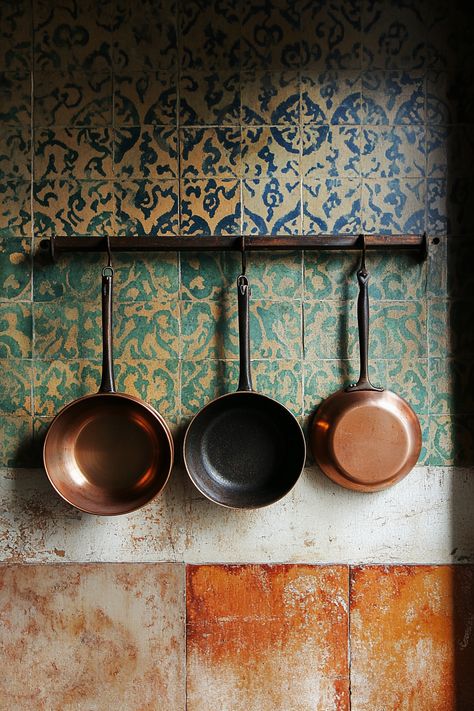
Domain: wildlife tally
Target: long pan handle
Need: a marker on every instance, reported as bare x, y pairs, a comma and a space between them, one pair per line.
243, 296
107, 384
363, 324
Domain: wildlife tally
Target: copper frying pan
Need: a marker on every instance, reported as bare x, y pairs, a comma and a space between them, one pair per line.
362, 437
108, 453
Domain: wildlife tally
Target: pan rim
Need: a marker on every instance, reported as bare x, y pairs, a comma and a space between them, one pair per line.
271, 400
123, 396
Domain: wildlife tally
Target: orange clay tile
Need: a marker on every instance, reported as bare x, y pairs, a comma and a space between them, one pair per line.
412, 638
92, 637
267, 638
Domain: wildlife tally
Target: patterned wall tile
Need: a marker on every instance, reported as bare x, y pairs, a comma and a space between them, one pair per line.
143, 98
145, 207
394, 151
15, 268
270, 151
16, 330
149, 152
330, 34
154, 381
459, 257
210, 207
15, 34
15, 387
331, 151
448, 202
147, 330
15, 208
449, 149
76, 98
451, 440
331, 206
325, 377
272, 206
125, 615
16, 443
15, 98
407, 621
78, 153
15, 153
394, 34
58, 382
210, 34
451, 386
210, 152
394, 206
449, 96
270, 97
409, 378
332, 97
209, 329
267, 635
145, 34
209, 98
73, 207
73, 35
449, 328
271, 34
393, 97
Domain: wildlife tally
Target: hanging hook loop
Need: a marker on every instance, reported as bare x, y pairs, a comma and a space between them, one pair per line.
362, 267
243, 255
108, 270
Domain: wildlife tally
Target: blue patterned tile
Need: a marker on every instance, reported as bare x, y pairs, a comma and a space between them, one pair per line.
210, 152
78, 153
394, 206
271, 34
210, 207
272, 206
394, 34
15, 153
143, 98
436, 206
146, 152
330, 33
450, 149
270, 97
332, 206
73, 207
270, 151
331, 151
15, 208
209, 98
449, 205
393, 151
78, 98
332, 97
450, 96
393, 97
145, 34
146, 207
210, 34
15, 98
15, 34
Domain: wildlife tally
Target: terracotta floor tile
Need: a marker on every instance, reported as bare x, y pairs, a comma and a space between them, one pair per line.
267, 638
92, 637
412, 641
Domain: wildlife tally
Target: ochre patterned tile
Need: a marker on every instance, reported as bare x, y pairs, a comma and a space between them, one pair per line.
15, 153
15, 387
410, 644
270, 97
149, 152
144, 98
16, 330
210, 207
76, 153
15, 208
209, 98
270, 151
145, 207
76, 98
126, 616
261, 638
15, 98
15, 268
272, 206
73, 207
210, 34
145, 34
210, 152
15, 34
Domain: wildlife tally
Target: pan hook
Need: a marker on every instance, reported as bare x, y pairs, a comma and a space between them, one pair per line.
108, 270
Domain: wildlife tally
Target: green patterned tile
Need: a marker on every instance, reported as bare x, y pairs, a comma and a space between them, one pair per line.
15, 330
15, 268
450, 328
15, 153
144, 207
76, 98
73, 207
15, 208
451, 441
392, 276
206, 275
209, 329
40, 428
146, 152
410, 380
436, 265
16, 442
424, 458
58, 382
154, 381
210, 152
15, 387
147, 330
452, 386
15, 98
328, 330
144, 98
77, 153
145, 279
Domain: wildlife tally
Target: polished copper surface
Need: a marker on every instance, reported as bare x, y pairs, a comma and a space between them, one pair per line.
365, 440
108, 453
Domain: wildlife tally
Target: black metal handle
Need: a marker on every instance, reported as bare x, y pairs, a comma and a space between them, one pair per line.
243, 296
107, 384
363, 324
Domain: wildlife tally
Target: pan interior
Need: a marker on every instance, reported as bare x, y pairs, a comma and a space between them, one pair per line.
244, 450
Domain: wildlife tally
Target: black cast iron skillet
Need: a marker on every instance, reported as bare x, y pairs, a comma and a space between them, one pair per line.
244, 450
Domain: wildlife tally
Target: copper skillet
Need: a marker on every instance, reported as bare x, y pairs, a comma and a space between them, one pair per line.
108, 453
362, 437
